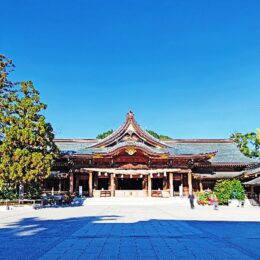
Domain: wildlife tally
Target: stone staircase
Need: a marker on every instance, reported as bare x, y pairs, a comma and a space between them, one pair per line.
139, 201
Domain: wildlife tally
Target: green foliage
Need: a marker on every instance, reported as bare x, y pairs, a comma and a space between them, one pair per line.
158, 136
7, 92
33, 190
26, 146
229, 189
104, 134
249, 144
8, 191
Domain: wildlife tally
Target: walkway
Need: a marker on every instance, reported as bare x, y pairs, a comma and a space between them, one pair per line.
128, 230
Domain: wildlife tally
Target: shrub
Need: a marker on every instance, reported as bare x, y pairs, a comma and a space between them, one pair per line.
8, 191
33, 190
229, 189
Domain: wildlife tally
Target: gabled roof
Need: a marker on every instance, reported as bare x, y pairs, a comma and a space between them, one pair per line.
219, 151
127, 132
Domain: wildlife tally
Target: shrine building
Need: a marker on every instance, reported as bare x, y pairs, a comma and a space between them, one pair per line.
131, 162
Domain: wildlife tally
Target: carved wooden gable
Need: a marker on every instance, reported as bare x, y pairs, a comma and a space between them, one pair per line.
130, 131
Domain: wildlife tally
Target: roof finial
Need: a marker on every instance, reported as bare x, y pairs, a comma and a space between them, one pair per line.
130, 114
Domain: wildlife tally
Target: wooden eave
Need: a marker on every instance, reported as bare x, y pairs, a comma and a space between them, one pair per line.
222, 164
203, 157
153, 156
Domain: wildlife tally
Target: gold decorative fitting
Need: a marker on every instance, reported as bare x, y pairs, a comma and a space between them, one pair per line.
130, 151
97, 156
164, 156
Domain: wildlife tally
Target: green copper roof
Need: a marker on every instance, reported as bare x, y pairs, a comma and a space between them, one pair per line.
227, 151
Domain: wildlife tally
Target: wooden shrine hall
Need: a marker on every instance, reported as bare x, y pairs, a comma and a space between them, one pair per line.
131, 162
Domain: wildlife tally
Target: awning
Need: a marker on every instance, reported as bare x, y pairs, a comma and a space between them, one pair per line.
218, 175
254, 182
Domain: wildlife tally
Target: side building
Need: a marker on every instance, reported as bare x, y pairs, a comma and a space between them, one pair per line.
131, 162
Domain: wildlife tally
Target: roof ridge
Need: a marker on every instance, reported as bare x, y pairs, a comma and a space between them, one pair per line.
75, 140
215, 140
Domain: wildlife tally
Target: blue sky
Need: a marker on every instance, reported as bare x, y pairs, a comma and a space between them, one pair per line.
188, 69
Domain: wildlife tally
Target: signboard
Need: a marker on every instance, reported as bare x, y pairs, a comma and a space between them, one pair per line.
80, 191
181, 190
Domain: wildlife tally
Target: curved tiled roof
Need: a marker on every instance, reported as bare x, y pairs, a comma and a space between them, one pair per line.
227, 151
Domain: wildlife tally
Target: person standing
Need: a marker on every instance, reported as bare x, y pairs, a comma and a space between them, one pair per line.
191, 198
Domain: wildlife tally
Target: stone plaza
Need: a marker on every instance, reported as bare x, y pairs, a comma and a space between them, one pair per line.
130, 228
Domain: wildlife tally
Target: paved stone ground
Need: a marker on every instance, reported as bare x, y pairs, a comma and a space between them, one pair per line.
147, 229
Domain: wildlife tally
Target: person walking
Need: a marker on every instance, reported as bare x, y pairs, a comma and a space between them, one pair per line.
191, 198
216, 203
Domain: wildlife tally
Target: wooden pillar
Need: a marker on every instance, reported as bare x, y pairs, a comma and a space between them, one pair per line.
71, 182
77, 183
164, 182
190, 181
145, 182
181, 186
90, 184
95, 181
171, 183
112, 184
59, 185
201, 185
252, 192
149, 185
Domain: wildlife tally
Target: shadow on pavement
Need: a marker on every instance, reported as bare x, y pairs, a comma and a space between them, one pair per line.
104, 236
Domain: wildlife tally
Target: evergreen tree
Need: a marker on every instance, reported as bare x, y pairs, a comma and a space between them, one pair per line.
27, 148
249, 143
158, 136
7, 92
105, 134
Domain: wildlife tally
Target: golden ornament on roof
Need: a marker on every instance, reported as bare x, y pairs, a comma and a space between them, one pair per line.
164, 156
130, 151
97, 156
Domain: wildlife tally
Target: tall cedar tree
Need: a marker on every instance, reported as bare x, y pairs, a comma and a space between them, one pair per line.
27, 149
7, 92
